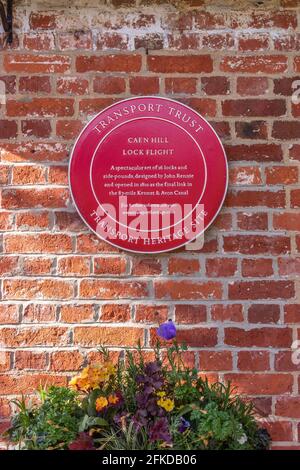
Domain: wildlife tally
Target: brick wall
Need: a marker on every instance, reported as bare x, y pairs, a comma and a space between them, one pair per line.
237, 301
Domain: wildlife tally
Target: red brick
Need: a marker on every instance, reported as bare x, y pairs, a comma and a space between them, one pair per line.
297, 64
264, 313
146, 266
284, 86
149, 41
180, 64
292, 313
227, 312
254, 107
112, 40
177, 85
215, 360
279, 430
284, 361
151, 313
112, 266
4, 174
272, 19
73, 41
180, 290
5, 360
66, 361
190, 314
34, 84
245, 175
109, 85
286, 130
289, 266
9, 313
36, 63
33, 151
183, 266
74, 266
257, 267
196, 337
255, 64
40, 243
261, 290
24, 289
142, 20
8, 129
221, 267
288, 406
204, 106
5, 409
43, 20
251, 130
10, 83
144, 85
72, 86
28, 174
37, 266
30, 198
77, 313
256, 244
286, 221
253, 361
94, 105
183, 41
255, 152
180, 20
259, 337
223, 221
44, 107
8, 265
252, 86
58, 175
38, 41
282, 175
68, 130
94, 289
30, 360
108, 63
265, 384
39, 313
115, 313
295, 198
90, 244
215, 85
252, 220
29, 336
68, 221
93, 336
253, 42
36, 128
32, 220
28, 383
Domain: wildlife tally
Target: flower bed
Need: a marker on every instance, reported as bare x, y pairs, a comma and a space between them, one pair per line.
138, 404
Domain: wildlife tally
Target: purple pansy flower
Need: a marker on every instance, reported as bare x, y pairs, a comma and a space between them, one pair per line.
159, 431
184, 425
167, 330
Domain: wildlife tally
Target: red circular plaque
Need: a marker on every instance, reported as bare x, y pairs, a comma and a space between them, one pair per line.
148, 174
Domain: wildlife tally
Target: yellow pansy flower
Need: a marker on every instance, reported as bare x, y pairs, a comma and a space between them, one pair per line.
166, 403
101, 403
113, 399
91, 377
